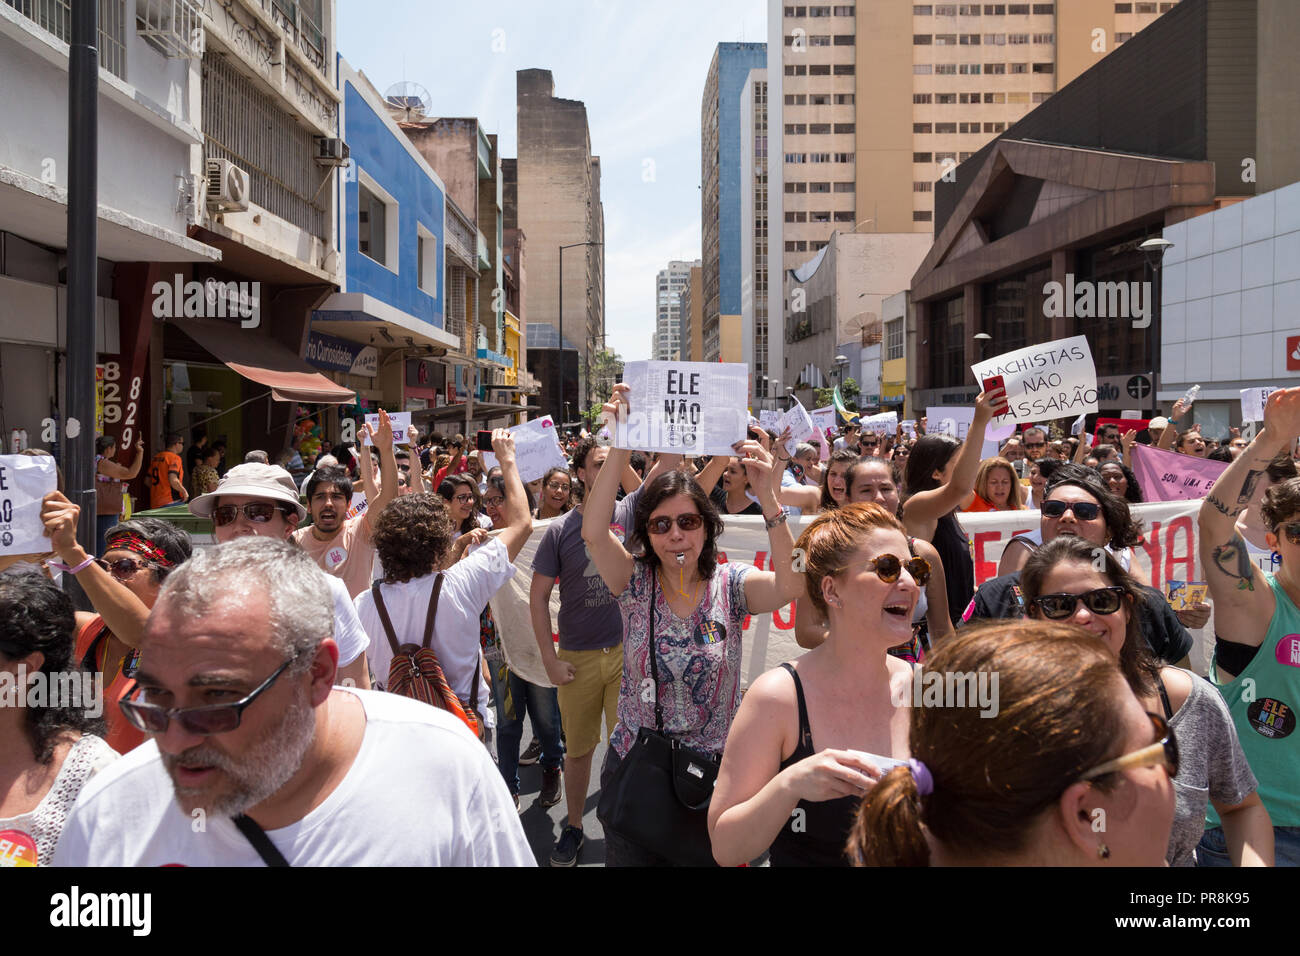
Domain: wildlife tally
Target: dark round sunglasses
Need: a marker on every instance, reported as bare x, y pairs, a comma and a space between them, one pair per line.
258, 512
1083, 510
663, 524
889, 568
1058, 607
123, 568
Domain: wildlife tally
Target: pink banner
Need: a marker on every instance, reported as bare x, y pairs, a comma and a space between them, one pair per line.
1170, 476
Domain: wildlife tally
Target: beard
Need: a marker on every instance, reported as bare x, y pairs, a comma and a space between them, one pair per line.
247, 780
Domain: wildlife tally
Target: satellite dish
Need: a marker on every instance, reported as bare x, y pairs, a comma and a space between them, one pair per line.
409, 96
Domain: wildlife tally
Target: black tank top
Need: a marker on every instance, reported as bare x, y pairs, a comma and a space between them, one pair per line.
958, 568
816, 832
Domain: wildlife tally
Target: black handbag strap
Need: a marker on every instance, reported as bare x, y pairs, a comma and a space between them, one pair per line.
261, 842
654, 654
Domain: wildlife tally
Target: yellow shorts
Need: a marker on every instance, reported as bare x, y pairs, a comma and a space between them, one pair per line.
594, 689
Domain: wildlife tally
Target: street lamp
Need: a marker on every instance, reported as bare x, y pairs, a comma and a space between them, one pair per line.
559, 371
983, 338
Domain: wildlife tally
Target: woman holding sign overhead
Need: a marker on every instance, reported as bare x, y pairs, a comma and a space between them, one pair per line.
940, 476
683, 614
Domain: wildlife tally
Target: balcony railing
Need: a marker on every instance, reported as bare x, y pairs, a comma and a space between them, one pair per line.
55, 16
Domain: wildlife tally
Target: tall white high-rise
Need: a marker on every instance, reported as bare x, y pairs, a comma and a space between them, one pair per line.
669, 335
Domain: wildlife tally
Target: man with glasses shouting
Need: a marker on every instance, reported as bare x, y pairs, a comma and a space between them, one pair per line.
257, 758
255, 500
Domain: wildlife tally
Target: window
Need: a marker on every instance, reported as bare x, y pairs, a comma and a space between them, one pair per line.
819, 216
945, 39
819, 41
843, 157
843, 99
1123, 8
921, 39
844, 69
819, 11
1123, 37
922, 69
995, 97
1017, 67
995, 127
945, 127
844, 216
796, 187
995, 39
945, 10
795, 129
796, 217
1018, 97
819, 69
922, 158
1017, 39
922, 10
969, 39
945, 69
1044, 37
819, 129
796, 157
969, 69
1146, 8
995, 9
946, 99
969, 9
965, 156
1044, 67
844, 11
941, 157
921, 97
1044, 9
844, 187
796, 247
845, 127
994, 69
799, 70
1041, 97
376, 223
1018, 9
819, 157
922, 128
819, 187
1166, 7
924, 186
968, 127
921, 215
426, 260
820, 99
845, 39
795, 99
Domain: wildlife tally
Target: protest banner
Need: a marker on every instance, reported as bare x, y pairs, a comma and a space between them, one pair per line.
797, 419
24, 481
694, 408
824, 417
885, 423
537, 449
401, 422
955, 420
1170, 476
1253, 401
1123, 424
1052, 380
769, 418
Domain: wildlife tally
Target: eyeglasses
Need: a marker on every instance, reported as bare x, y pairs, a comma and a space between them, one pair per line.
889, 568
664, 524
1058, 607
1035, 444
199, 721
258, 512
1083, 510
1162, 753
463, 499
122, 568
403, 467
496, 501
1292, 532
558, 486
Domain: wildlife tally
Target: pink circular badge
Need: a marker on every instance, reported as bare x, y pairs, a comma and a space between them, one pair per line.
1288, 650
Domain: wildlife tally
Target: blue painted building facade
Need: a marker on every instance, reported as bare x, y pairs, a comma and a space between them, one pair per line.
735, 60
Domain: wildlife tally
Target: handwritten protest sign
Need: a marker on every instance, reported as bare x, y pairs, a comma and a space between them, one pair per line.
886, 423
769, 418
401, 422
1169, 476
24, 481
951, 420
537, 449
695, 408
824, 417
797, 419
1053, 380
1253, 401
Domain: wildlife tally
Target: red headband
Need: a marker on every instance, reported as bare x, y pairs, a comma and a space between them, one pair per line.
138, 545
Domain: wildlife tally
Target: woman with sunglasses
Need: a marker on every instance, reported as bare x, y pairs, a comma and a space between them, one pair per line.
47, 753
557, 494
1061, 582
1257, 616
799, 757
1069, 744
870, 481
122, 586
694, 607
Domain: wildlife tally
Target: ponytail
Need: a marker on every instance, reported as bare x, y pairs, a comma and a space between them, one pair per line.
887, 829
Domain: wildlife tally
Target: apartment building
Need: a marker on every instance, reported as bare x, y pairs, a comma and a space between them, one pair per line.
669, 336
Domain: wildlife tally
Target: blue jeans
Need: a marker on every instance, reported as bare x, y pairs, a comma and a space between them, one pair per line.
1213, 848
514, 697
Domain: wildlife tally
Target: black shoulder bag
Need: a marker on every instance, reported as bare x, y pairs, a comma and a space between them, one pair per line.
658, 798
261, 842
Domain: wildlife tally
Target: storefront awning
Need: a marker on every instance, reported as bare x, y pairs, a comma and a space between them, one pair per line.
261, 359
482, 410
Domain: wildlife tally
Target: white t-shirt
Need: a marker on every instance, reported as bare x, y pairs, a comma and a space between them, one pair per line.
466, 588
421, 792
348, 633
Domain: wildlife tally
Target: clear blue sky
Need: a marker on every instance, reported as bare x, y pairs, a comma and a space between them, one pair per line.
640, 69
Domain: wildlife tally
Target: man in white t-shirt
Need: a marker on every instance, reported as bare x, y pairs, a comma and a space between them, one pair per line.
237, 677
261, 500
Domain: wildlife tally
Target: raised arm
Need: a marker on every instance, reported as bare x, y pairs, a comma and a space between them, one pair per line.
607, 552
1237, 586
712, 473
122, 472
930, 506
383, 440
519, 522
366, 468
768, 590
1171, 430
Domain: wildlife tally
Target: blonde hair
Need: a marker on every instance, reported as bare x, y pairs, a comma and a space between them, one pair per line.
1015, 498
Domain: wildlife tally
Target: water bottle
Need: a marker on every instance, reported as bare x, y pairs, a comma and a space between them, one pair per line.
1190, 396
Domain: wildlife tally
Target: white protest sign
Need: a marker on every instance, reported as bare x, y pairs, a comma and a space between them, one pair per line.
1053, 380
823, 418
537, 449
769, 418
886, 423
694, 408
909, 427
24, 481
1076, 428
800, 423
1253, 401
1130, 413
955, 420
401, 422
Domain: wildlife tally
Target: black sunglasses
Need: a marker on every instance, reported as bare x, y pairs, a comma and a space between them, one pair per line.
123, 568
199, 721
889, 568
1083, 510
1058, 607
258, 512
1292, 531
663, 524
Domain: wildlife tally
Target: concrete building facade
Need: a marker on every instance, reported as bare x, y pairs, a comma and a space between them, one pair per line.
669, 337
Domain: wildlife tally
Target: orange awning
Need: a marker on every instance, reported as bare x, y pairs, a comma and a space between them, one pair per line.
261, 359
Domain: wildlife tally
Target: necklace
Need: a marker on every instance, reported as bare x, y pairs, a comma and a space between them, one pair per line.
694, 598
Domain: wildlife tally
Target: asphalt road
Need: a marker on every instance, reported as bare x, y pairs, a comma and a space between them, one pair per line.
542, 827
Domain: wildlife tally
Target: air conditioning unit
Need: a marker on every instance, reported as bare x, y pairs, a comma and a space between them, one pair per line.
332, 152
227, 186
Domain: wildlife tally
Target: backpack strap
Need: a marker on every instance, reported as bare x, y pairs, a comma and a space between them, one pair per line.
384, 618
433, 610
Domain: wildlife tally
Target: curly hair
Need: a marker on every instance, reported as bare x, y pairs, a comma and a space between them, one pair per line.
665, 486
412, 536
36, 616
1133, 490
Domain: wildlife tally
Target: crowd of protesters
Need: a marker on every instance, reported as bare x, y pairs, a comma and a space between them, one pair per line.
352, 592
